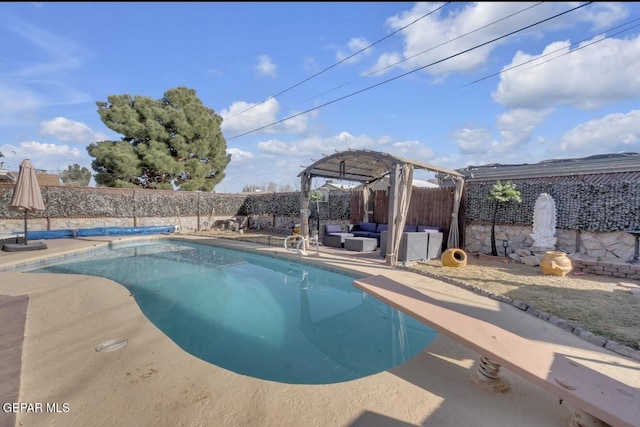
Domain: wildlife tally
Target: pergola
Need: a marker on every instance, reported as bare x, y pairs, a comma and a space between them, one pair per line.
366, 167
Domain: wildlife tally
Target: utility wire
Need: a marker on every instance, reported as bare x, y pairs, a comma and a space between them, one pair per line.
566, 53
339, 62
409, 72
427, 50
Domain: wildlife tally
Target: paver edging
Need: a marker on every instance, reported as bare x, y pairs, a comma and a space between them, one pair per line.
600, 341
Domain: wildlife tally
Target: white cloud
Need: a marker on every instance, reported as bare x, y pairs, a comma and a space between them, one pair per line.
516, 128
355, 45
71, 131
16, 99
51, 157
266, 66
281, 161
385, 63
589, 78
28, 85
472, 141
610, 134
410, 149
273, 147
604, 14
243, 117
305, 148
20, 104
459, 27
240, 155
63, 54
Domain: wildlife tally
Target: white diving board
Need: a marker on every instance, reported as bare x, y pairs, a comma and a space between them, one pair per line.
588, 393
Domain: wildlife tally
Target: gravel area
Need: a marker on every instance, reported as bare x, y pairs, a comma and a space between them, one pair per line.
602, 305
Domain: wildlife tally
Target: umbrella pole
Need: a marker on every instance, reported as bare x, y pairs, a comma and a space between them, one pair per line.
25, 226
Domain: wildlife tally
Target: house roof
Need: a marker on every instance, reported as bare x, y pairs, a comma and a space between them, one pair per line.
330, 185
50, 179
620, 166
6, 176
383, 184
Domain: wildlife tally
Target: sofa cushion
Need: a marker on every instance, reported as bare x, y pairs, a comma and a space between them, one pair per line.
367, 226
428, 229
332, 228
382, 227
410, 228
357, 233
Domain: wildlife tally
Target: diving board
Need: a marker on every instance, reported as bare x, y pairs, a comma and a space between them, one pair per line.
589, 393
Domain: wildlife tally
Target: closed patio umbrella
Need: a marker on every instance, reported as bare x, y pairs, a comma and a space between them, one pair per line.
26, 197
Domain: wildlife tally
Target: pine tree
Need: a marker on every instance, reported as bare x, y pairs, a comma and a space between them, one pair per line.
170, 143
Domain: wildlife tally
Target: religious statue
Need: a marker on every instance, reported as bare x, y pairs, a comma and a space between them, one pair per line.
544, 222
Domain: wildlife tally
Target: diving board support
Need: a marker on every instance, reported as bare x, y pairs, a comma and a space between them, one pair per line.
593, 398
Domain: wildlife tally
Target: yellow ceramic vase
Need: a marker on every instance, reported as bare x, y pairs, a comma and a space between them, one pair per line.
454, 257
556, 263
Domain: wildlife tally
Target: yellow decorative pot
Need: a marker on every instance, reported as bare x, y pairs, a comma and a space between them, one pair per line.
556, 263
454, 257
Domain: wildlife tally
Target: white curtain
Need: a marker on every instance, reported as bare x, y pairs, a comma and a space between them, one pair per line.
399, 198
454, 236
305, 195
365, 202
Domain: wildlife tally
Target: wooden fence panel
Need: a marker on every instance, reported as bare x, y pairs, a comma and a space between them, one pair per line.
428, 206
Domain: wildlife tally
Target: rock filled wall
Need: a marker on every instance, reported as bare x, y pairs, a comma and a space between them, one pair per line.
580, 206
617, 246
84, 207
591, 219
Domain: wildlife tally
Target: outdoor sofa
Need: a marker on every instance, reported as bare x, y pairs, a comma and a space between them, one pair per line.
419, 242
373, 230
422, 244
368, 229
334, 236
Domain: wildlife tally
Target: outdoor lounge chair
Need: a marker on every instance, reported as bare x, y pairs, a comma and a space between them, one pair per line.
334, 236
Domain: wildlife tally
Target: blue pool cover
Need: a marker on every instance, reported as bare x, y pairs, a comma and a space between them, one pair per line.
98, 231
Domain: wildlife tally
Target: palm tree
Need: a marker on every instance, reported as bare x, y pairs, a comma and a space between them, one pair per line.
501, 194
317, 196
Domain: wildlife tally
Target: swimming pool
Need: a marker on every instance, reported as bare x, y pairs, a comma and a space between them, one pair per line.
257, 315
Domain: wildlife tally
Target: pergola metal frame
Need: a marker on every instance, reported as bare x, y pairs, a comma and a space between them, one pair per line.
366, 166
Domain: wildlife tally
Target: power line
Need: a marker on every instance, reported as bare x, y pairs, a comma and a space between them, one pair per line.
339, 62
428, 50
409, 72
566, 53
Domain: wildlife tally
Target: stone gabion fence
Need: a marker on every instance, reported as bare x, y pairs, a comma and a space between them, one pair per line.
580, 206
79, 207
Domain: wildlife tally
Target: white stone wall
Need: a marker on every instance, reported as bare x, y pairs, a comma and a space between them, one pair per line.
615, 246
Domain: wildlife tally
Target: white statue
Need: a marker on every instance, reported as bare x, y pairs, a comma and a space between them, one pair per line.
544, 222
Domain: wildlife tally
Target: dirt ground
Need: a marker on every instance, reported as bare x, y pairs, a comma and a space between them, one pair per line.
599, 304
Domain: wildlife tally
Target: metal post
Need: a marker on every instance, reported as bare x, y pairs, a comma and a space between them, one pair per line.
25, 229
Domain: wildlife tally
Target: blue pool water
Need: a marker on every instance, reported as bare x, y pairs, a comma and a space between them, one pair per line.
257, 315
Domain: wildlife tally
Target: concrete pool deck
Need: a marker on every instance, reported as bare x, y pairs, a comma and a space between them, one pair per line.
152, 381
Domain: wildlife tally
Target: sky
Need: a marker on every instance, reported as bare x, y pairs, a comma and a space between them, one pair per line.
449, 84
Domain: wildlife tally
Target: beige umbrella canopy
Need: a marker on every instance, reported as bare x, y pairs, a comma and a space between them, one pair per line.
26, 193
